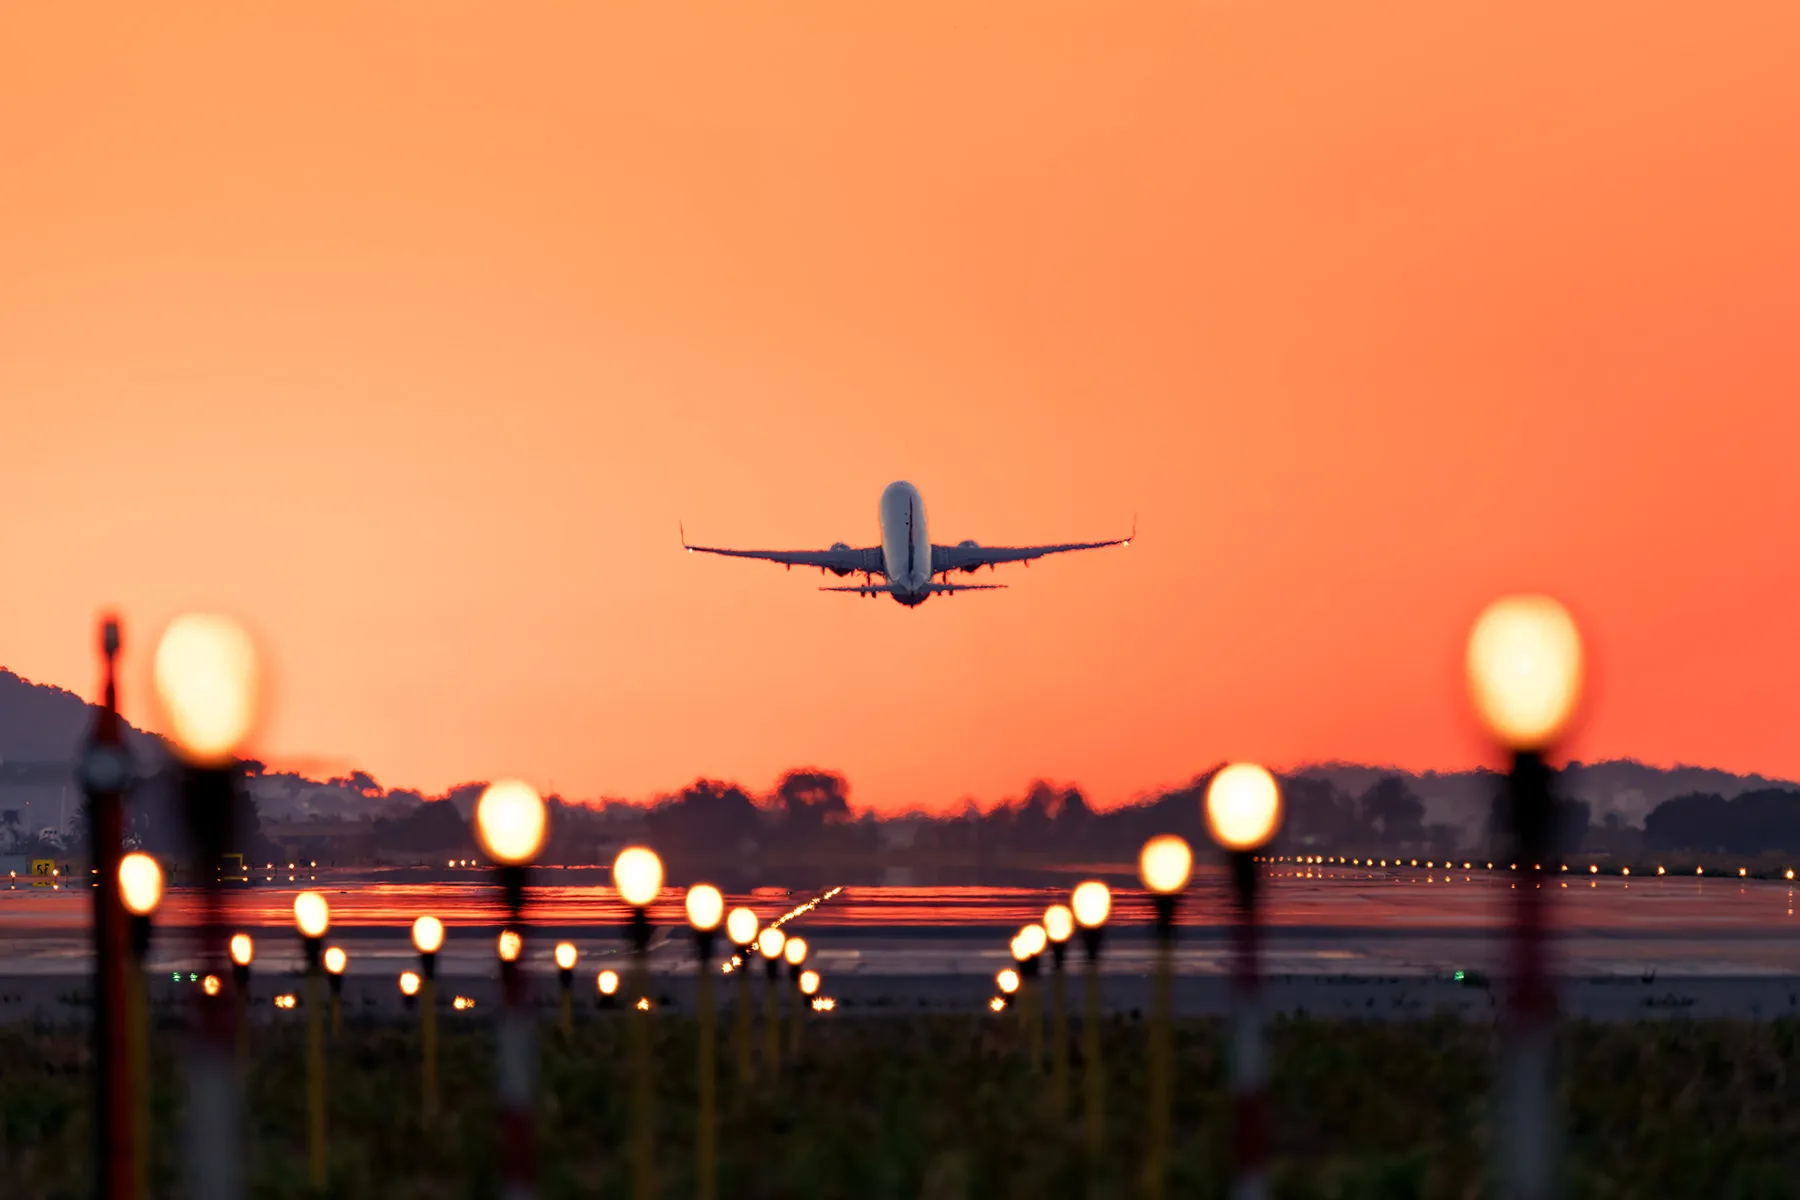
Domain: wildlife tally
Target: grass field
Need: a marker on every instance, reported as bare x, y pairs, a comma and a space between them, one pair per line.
948, 1107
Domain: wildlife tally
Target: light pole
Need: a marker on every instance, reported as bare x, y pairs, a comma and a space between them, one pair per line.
243, 953
335, 962
705, 910
638, 875
1243, 811
428, 939
512, 823
409, 989
207, 682
1091, 902
141, 891
1525, 676
1059, 927
794, 952
607, 984
740, 927
1027, 945
770, 943
565, 977
312, 917
1164, 864
105, 774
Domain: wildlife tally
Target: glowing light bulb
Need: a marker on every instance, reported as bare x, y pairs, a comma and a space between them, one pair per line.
409, 984
428, 935
809, 982
565, 956
1032, 940
207, 680
243, 950
1165, 863
607, 982
770, 941
312, 916
1524, 666
1008, 981
705, 907
740, 927
1091, 902
511, 945
638, 874
336, 960
1243, 807
794, 950
140, 884
511, 822
1059, 922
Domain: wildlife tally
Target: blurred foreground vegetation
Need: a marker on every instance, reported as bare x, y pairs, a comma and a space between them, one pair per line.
941, 1106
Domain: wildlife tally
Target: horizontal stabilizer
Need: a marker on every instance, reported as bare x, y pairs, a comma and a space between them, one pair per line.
935, 589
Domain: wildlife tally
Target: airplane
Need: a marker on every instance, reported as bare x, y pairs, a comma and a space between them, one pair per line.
906, 559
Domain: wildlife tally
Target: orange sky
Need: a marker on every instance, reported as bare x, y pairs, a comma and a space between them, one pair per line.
409, 337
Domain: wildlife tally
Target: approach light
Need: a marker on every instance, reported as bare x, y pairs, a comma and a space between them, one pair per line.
607, 982
140, 883
511, 822
638, 874
1059, 923
1165, 863
243, 950
207, 679
1008, 980
511, 944
794, 950
1091, 902
211, 985
740, 927
705, 907
312, 916
1032, 940
336, 960
409, 984
1524, 666
1243, 807
565, 956
809, 982
770, 941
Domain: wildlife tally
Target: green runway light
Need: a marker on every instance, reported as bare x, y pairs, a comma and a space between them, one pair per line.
1459, 977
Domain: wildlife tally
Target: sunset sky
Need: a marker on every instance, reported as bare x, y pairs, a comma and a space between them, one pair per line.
408, 332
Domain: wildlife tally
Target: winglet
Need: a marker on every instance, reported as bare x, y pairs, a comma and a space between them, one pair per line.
1132, 536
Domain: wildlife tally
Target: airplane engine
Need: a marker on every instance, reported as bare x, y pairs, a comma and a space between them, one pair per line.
969, 544
839, 572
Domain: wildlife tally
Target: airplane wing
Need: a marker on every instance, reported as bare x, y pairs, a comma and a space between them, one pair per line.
968, 556
840, 558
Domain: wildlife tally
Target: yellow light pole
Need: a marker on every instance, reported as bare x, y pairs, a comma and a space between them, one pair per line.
312, 917
1243, 812
1059, 927
565, 977
794, 952
1091, 902
428, 939
243, 953
1164, 864
705, 910
335, 962
512, 823
1525, 669
141, 891
770, 942
1027, 945
638, 875
207, 684
741, 928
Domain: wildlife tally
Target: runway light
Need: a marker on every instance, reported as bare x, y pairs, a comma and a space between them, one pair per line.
1059, 923
428, 935
1524, 668
409, 984
638, 875
1091, 903
1008, 981
462, 1002
206, 678
511, 822
140, 884
823, 1004
336, 960
644, 1004
1659, 870
510, 945
1742, 872
210, 985
565, 956
312, 916
809, 982
607, 982
794, 951
286, 1000
770, 941
243, 950
740, 927
705, 907
1165, 863
997, 1004
1593, 869
1243, 807
1032, 940
1699, 870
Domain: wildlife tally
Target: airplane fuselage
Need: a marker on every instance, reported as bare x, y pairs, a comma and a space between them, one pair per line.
905, 545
